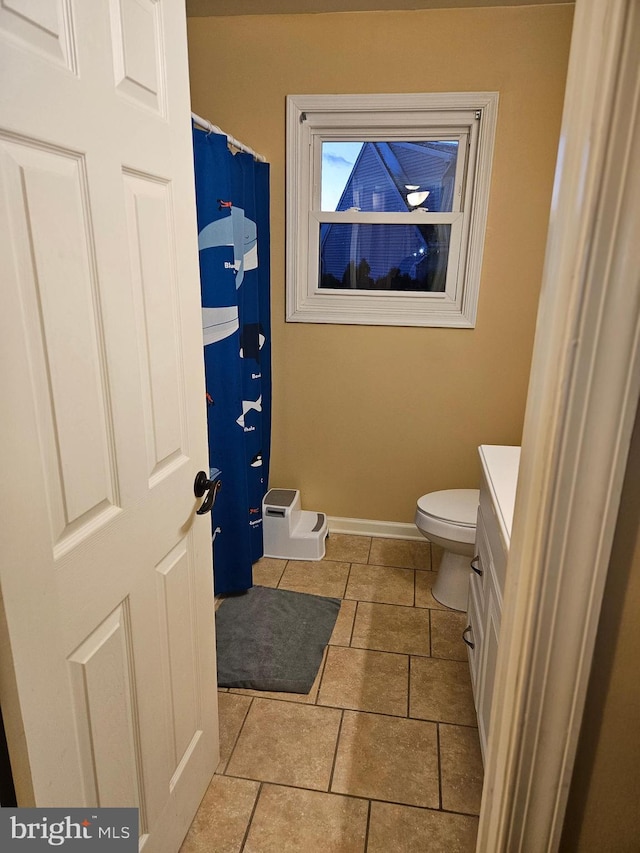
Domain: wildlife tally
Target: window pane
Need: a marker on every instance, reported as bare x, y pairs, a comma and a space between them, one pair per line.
384, 257
389, 177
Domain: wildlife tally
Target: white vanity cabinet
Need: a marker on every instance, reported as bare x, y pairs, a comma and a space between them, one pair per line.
486, 585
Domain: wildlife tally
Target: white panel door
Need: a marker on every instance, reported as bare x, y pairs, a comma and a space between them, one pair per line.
107, 646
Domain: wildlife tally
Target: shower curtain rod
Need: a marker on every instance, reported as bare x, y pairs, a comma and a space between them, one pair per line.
212, 128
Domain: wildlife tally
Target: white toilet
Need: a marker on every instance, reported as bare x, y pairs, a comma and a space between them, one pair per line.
448, 518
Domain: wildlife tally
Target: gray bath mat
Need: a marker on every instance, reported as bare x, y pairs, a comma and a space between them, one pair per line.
273, 639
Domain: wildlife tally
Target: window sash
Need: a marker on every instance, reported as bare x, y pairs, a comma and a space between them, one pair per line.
464, 136
453, 280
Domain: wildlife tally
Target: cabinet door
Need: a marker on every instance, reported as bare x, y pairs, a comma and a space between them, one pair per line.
477, 606
495, 542
474, 637
488, 662
483, 550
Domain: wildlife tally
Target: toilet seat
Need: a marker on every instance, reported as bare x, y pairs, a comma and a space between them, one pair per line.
457, 506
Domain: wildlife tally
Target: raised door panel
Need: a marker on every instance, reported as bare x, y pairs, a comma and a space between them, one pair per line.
153, 272
103, 684
138, 60
44, 29
176, 593
46, 221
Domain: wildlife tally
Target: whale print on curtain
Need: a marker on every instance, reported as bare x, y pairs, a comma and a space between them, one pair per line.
232, 195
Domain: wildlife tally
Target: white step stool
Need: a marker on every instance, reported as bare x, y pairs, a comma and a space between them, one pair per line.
291, 533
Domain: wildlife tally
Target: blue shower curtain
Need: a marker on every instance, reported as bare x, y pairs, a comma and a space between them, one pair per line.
232, 195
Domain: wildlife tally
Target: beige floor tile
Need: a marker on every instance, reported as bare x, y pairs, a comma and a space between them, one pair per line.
387, 758
323, 577
391, 628
222, 819
402, 553
462, 771
330, 823
424, 596
381, 584
341, 635
441, 690
287, 743
268, 571
446, 634
404, 829
365, 681
306, 698
231, 710
350, 549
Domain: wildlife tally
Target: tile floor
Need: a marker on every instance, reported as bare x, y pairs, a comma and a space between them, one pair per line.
383, 754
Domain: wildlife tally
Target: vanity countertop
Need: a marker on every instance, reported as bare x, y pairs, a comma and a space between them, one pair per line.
500, 464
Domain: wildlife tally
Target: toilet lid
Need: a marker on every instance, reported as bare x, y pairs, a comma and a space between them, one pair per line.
457, 505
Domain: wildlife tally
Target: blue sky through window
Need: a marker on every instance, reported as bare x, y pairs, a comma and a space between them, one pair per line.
337, 162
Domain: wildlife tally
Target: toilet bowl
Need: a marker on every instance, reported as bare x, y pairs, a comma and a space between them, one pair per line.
448, 518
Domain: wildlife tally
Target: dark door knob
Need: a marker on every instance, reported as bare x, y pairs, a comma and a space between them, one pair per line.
201, 485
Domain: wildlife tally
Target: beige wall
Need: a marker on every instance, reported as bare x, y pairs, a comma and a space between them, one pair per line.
603, 812
366, 419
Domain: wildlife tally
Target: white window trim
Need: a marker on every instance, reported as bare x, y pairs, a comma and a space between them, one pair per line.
310, 117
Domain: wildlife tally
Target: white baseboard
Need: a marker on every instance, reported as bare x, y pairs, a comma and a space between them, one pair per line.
368, 527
